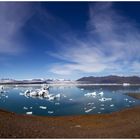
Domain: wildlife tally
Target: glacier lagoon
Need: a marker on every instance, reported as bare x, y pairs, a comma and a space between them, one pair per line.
73, 100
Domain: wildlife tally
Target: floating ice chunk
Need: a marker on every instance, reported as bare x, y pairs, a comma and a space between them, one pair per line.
21, 93
99, 112
82, 89
43, 107
50, 112
90, 94
101, 93
57, 103
70, 99
33, 93
25, 108
105, 99
111, 105
57, 96
93, 107
31, 107
134, 101
90, 104
87, 111
126, 99
130, 101
29, 113
6, 96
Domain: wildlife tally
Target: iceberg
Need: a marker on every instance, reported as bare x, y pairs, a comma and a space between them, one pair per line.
25, 108
50, 112
90, 94
87, 111
111, 105
101, 93
43, 107
105, 99
29, 113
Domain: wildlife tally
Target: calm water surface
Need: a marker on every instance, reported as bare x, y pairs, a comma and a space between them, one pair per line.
71, 102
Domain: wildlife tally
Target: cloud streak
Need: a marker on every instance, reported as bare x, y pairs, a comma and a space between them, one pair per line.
13, 16
111, 45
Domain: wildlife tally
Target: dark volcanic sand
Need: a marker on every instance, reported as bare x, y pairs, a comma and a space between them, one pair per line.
123, 124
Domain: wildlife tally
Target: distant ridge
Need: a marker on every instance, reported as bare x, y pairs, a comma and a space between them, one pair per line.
110, 79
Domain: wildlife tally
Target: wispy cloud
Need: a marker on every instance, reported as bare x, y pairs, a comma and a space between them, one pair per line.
13, 16
111, 45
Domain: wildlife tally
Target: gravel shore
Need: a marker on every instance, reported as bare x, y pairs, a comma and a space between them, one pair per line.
122, 124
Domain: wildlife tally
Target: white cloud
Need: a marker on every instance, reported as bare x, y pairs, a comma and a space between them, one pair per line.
111, 45
13, 16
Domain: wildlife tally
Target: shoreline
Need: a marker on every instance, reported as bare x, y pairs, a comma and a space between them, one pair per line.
121, 124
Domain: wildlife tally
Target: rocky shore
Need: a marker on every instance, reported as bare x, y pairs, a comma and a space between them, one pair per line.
123, 124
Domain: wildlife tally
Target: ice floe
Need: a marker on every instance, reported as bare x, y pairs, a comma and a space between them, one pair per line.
57, 103
50, 112
90, 94
43, 107
126, 99
112, 105
89, 110
29, 113
25, 108
42, 93
105, 99
101, 93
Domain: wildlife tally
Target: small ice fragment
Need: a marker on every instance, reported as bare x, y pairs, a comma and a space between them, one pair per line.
130, 101
134, 101
70, 99
88, 110
29, 113
99, 112
90, 103
105, 99
58, 96
93, 107
101, 93
90, 94
126, 99
111, 105
43, 107
6, 96
57, 103
50, 112
31, 107
21, 93
82, 89
25, 108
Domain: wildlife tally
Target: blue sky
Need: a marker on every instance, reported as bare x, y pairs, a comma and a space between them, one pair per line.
69, 39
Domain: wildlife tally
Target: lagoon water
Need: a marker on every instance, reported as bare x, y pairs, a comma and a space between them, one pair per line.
71, 102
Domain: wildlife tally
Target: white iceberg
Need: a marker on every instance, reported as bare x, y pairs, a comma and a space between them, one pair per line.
112, 105
29, 113
50, 112
25, 108
101, 93
90, 94
89, 110
105, 99
43, 107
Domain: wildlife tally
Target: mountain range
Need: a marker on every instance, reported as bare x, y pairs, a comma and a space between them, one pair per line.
110, 79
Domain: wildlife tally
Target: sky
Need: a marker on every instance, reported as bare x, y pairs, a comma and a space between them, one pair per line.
69, 39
